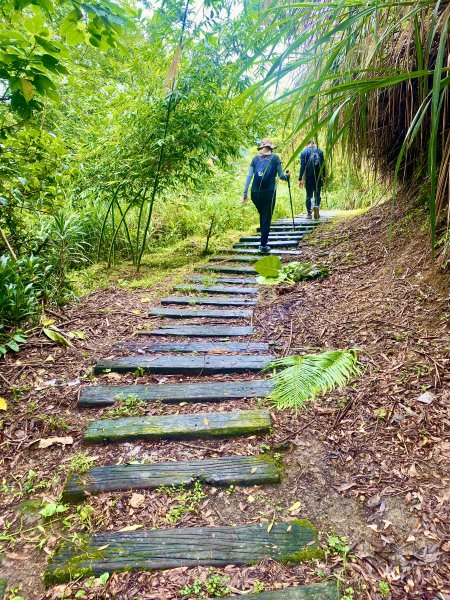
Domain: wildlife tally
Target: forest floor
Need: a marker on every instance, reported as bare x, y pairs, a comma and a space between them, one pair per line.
369, 462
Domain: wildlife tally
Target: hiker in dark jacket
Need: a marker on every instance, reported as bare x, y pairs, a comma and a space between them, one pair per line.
264, 169
312, 166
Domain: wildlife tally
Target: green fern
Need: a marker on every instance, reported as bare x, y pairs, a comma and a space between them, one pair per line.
303, 378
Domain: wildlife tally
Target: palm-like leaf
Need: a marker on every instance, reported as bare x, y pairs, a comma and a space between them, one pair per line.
303, 378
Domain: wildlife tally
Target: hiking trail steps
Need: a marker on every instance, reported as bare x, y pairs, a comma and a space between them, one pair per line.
227, 285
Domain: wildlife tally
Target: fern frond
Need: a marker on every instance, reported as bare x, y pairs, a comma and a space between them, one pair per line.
303, 378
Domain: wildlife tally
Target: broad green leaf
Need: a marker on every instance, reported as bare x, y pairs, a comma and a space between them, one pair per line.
13, 345
75, 36
28, 89
268, 266
271, 280
56, 336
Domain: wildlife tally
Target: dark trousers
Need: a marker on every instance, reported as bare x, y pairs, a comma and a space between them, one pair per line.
313, 188
264, 200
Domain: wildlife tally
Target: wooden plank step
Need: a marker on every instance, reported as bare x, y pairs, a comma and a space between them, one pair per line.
222, 331
256, 252
227, 258
185, 365
148, 550
213, 347
216, 391
188, 313
227, 470
220, 279
179, 427
273, 238
288, 227
217, 289
315, 591
231, 270
209, 300
277, 244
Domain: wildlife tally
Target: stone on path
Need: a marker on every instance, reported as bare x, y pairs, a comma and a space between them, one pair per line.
223, 471
215, 391
222, 331
187, 313
185, 364
187, 426
149, 550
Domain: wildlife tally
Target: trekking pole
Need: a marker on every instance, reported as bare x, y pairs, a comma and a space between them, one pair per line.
292, 206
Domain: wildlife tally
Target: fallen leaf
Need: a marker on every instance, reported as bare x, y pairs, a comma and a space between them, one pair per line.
426, 398
137, 500
56, 336
205, 421
46, 442
3, 404
136, 311
250, 499
131, 528
295, 507
380, 413
145, 300
16, 556
46, 321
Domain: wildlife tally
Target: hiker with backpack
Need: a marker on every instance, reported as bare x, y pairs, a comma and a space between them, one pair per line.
312, 166
264, 168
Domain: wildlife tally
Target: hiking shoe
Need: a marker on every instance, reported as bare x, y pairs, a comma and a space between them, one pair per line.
316, 212
264, 249
309, 216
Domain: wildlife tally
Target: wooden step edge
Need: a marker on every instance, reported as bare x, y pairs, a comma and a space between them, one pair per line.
223, 471
314, 591
149, 550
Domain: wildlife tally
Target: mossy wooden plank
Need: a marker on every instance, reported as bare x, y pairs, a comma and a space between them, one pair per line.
274, 237
223, 471
186, 364
209, 301
213, 280
192, 313
231, 258
258, 253
218, 289
150, 550
303, 228
202, 347
279, 244
231, 270
200, 331
188, 426
215, 391
315, 591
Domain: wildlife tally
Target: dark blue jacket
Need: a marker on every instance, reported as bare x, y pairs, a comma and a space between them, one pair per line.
312, 174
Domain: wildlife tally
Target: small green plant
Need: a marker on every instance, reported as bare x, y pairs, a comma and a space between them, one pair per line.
186, 500
13, 593
52, 423
128, 406
384, 588
140, 372
272, 271
51, 509
215, 586
258, 587
92, 582
303, 378
349, 594
79, 463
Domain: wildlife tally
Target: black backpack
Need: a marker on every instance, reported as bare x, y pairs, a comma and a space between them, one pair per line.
264, 172
313, 162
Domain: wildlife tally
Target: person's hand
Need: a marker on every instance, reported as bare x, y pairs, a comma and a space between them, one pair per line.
288, 174
300, 183
245, 200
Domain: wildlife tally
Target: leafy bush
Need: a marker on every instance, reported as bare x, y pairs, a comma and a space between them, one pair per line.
272, 271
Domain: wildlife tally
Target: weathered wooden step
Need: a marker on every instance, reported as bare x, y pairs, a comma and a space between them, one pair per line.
188, 426
185, 365
225, 258
256, 252
188, 313
221, 331
315, 591
280, 228
221, 269
217, 289
216, 391
148, 550
227, 470
220, 279
277, 244
273, 238
203, 347
209, 300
